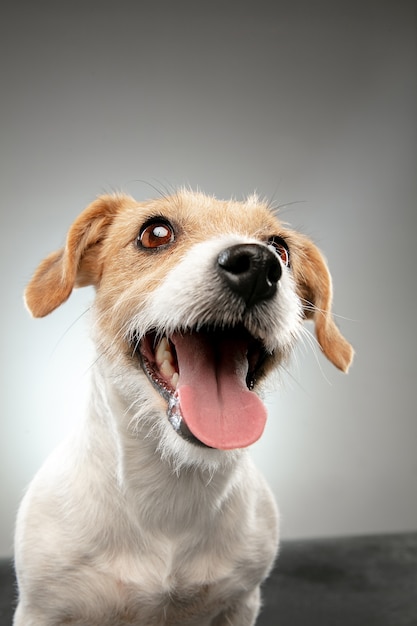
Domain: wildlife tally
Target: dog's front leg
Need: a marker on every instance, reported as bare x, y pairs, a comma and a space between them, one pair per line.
244, 613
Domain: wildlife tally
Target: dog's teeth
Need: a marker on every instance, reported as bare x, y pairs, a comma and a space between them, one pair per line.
163, 352
168, 357
167, 369
160, 350
165, 362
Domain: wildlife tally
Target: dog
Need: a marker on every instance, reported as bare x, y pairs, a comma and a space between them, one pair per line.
153, 513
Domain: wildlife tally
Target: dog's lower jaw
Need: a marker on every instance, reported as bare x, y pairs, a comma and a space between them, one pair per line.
206, 377
173, 410
145, 431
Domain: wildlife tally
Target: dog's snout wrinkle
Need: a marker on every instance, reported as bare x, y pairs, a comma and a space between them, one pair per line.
250, 270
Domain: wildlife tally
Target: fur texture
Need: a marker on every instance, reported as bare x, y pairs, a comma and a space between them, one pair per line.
133, 520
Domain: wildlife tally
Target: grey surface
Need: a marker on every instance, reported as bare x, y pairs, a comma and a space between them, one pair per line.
361, 581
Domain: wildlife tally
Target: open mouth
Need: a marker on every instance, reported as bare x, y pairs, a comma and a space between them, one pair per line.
207, 378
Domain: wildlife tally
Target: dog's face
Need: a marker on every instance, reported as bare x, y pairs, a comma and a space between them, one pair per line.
197, 299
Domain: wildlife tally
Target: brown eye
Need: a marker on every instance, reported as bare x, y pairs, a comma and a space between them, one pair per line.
279, 246
156, 234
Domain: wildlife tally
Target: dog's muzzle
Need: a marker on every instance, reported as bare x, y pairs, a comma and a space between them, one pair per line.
207, 374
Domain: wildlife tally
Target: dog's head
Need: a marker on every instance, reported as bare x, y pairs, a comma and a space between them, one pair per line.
204, 297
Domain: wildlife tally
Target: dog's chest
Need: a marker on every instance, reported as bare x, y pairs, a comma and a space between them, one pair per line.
168, 586
183, 606
154, 593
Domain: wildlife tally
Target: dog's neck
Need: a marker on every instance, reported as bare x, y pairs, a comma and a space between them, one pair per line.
164, 495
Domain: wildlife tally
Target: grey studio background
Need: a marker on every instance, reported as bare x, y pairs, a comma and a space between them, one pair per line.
312, 103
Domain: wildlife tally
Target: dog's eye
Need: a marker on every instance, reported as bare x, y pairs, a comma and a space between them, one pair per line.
279, 246
155, 234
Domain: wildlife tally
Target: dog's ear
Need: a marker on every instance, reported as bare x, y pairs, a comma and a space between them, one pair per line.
314, 286
77, 264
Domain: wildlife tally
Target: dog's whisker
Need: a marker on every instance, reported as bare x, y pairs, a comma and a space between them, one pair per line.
69, 328
309, 306
279, 209
293, 378
311, 341
162, 194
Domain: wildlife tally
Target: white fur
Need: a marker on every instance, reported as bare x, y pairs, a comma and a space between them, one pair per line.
127, 523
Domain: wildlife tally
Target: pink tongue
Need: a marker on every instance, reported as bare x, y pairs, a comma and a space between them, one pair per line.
215, 402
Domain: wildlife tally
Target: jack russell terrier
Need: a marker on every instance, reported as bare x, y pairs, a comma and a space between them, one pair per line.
153, 513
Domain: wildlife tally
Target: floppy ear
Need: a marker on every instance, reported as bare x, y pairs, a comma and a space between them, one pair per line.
77, 264
314, 285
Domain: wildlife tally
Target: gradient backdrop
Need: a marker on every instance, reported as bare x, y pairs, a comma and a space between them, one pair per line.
312, 103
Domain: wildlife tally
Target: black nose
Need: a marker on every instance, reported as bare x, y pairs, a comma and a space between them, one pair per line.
251, 270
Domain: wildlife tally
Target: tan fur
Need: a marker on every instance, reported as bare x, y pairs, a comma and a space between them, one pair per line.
91, 240
128, 523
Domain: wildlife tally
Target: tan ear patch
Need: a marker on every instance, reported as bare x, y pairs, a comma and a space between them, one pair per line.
314, 287
48, 287
78, 263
